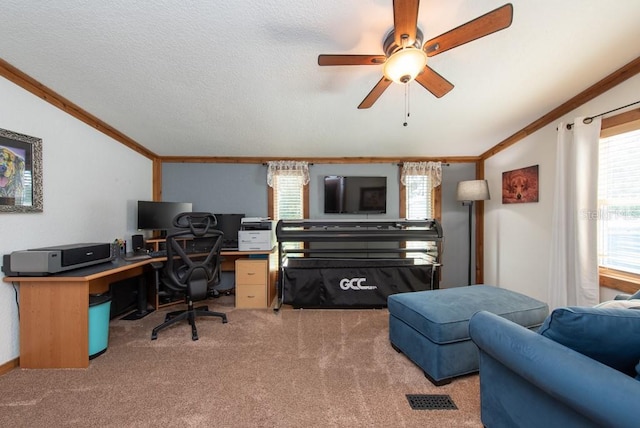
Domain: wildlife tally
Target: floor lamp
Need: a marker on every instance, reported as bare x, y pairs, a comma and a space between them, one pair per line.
468, 192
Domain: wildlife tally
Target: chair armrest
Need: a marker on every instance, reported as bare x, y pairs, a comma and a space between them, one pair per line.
592, 389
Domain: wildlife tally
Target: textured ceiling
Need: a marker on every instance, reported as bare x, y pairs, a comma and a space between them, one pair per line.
231, 78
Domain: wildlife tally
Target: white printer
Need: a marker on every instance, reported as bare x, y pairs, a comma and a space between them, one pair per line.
256, 234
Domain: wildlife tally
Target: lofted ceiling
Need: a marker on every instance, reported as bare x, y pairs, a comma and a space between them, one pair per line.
231, 78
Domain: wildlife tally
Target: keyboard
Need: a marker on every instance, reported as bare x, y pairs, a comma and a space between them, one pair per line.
134, 257
163, 253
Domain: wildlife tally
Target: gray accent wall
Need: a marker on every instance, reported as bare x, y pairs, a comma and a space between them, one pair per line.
455, 227
219, 188
242, 188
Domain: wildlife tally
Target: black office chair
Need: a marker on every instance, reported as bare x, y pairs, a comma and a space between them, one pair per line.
192, 266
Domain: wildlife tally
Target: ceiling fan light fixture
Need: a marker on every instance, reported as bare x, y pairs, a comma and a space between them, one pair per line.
405, 65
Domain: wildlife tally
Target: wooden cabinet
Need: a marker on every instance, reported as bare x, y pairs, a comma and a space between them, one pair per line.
252, 280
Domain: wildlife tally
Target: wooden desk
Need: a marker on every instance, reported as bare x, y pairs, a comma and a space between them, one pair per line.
54, 310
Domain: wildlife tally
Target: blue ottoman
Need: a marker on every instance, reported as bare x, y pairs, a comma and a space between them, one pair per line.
432, 327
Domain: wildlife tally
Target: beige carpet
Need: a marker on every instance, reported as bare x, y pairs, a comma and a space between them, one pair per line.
295, 368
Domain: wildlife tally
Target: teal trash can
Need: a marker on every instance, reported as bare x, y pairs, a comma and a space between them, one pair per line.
99, 314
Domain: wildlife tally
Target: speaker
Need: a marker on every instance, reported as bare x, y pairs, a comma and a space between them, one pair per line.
137, 242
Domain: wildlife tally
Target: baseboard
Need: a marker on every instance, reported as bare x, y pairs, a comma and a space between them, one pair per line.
9, 365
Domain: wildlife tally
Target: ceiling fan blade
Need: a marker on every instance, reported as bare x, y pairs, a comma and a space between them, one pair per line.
496, 20
351, 59
434, 83
405, 20
375, 93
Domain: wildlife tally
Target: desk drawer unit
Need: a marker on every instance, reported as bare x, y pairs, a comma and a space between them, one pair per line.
251, 283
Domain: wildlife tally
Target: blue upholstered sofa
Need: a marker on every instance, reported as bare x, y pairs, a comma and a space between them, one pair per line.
530, 379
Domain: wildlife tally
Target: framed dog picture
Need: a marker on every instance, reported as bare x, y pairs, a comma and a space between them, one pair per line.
20, 172
520, 185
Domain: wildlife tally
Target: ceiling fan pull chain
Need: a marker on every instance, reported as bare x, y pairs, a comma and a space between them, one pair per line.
406, 104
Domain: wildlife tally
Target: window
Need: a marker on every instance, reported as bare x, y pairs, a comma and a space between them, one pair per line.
288, 189
619, 202
418, 202
420, 190
288, 199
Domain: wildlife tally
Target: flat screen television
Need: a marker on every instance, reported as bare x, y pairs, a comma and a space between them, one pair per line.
355, 195
153, 215
229, 225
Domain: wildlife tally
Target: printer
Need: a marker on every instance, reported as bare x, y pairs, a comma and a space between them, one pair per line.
256, 234
50, 260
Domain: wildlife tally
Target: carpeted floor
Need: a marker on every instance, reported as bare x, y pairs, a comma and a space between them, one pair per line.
295, 368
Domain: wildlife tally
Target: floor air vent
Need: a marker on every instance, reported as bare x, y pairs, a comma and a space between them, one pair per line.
431, 402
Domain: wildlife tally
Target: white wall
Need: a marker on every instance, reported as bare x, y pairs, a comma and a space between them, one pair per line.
90, 186
517, 236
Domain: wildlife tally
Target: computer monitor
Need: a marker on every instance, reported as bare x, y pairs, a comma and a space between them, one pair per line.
229, 224
154, 215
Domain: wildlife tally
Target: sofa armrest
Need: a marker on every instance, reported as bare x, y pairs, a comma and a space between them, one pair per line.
598, 392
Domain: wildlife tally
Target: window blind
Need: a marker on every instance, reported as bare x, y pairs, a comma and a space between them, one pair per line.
288, 199
418, 204
287, 194
619, 202
418, 199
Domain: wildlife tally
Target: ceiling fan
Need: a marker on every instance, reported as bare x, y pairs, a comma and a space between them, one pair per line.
405, 57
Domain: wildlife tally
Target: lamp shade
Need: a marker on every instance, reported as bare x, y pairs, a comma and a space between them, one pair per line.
404, 65
473, 190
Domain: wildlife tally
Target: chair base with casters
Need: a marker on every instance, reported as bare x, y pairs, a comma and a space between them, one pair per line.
189, 314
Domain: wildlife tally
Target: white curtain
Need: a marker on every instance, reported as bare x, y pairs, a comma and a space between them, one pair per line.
573, 273
431, 169
288, 168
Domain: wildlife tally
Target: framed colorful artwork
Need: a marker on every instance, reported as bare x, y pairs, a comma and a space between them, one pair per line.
20, 172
